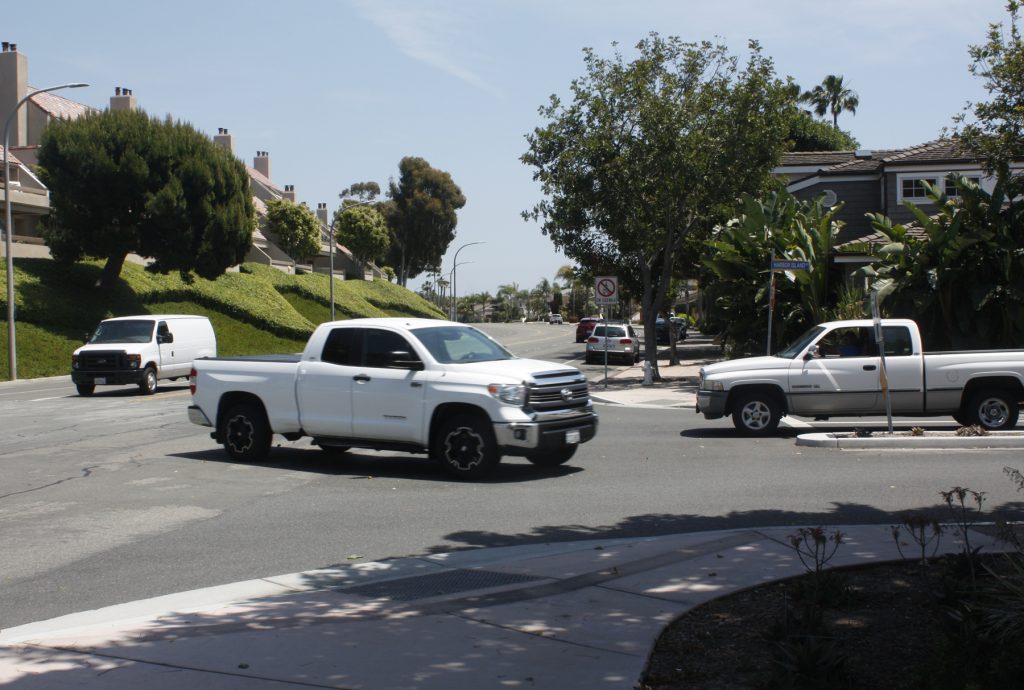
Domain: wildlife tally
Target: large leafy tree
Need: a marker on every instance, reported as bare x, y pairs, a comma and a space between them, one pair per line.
421, 215
650, 151
997, 132
122, 182
832, 97
296, 228
362, 229
964, 284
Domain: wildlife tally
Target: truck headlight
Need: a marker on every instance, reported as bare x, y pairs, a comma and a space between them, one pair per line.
706, 385
134, 361
74, 361
511, 393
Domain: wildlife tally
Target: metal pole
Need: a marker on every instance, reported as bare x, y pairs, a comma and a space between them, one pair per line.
455, 264
771, 305
330, 233
12, 350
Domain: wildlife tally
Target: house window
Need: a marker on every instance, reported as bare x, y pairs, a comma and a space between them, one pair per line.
913, 187
951, 190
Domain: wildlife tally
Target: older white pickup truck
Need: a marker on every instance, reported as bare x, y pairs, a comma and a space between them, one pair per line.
416, 385
834, 370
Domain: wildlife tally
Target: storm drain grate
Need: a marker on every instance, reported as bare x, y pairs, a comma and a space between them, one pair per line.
437, 584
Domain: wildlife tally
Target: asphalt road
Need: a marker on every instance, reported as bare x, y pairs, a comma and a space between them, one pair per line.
118, 497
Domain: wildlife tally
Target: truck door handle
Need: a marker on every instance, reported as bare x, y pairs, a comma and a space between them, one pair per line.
869, 367
361, 378
416, 384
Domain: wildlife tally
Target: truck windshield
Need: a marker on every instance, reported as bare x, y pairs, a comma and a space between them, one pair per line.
123, 332
459, 344
803, 341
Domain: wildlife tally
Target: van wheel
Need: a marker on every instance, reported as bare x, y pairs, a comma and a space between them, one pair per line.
756, 414
85, 389
465, 447
553, 458
148, 383
246, 432
995, 410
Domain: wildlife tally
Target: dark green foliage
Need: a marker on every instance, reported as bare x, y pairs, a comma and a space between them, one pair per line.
421, 215
965, 284
296, 228
808, 134
123, 182
363, 230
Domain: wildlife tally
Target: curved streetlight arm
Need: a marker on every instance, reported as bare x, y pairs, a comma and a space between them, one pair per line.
12, 350
455, 261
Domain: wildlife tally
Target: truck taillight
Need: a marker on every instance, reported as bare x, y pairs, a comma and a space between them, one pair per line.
592, 339
192, 381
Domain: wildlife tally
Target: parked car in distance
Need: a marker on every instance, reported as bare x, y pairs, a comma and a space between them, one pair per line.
585, 327
141, 350
618, 339
661, 329
555, 318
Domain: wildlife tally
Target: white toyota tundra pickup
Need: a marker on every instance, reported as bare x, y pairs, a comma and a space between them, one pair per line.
834, 369
417, 385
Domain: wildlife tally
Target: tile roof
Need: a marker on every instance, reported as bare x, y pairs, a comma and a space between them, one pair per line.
822, 158
11, 158
847, 162
58, 106
263, 179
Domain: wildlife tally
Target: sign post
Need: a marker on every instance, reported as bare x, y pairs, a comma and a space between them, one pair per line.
780, 265
883, 379
606, 292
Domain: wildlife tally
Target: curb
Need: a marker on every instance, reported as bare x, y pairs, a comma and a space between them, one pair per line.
935, 440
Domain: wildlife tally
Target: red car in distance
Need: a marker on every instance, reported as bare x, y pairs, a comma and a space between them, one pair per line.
585, 327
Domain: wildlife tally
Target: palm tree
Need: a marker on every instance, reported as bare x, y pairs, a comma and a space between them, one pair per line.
832, 96
567, 275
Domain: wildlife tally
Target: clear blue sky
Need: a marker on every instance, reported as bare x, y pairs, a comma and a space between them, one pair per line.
339, 91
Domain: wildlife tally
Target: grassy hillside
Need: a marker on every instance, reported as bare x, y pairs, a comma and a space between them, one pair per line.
257, 310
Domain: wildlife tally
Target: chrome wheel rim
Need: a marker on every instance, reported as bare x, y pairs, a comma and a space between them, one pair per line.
464, 448
993, 412
756, 415
240, 434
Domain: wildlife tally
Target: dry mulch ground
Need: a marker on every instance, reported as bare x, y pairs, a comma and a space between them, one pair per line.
885, 629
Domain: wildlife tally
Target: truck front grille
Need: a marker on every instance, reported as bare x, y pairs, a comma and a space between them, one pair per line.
558, 391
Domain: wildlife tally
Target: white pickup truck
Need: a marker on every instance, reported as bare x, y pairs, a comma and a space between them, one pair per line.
834, 370
416, 385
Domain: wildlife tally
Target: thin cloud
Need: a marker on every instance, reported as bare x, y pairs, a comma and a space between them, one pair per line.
429, 32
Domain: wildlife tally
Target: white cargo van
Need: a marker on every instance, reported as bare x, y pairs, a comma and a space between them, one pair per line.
141, 350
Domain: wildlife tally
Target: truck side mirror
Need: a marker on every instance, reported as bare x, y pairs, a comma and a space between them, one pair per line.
812, 353
164, 338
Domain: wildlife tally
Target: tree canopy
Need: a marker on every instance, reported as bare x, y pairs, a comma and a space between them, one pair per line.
122, 182
650, 151
997, 134
362, 229
421, 215
297, 229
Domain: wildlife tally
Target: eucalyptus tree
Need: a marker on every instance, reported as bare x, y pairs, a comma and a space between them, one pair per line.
648, 152
833, 97
122, 182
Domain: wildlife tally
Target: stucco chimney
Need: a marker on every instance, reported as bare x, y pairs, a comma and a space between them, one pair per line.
262, 164
321, 213
289, 192
122, 99
14, 87
224, 139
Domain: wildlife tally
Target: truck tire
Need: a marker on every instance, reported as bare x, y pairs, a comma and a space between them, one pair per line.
465, 447
148, 383
994, 410
85, 389
246, 432
553, 458
756, 413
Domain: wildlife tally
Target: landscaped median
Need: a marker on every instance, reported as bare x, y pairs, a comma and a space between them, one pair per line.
911, 439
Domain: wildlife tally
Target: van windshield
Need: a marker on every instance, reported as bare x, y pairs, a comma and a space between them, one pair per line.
123, 332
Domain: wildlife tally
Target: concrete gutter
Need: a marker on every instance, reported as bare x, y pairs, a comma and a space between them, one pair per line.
930, 440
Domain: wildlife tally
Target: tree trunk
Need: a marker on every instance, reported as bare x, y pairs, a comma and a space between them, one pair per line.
111, 271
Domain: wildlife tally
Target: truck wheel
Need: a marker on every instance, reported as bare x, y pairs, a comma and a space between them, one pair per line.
465, 447
553, 458
148, 383
85, 389
995, 410
756, 414
246, 432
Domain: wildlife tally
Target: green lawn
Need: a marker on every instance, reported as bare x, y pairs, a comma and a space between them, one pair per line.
256, 310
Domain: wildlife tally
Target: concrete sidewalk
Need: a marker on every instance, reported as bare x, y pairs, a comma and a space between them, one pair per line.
553, 616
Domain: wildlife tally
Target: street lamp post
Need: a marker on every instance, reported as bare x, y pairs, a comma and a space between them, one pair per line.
334, 241
455, 264
454, 308
12, 351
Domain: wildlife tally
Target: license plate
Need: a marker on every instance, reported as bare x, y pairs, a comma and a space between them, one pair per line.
572, 436
100, 381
